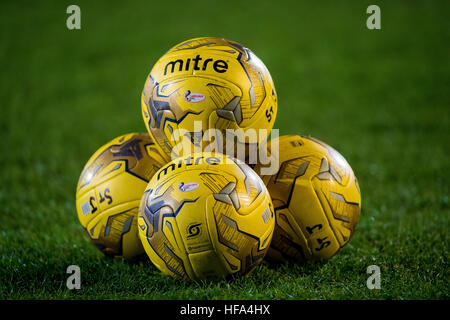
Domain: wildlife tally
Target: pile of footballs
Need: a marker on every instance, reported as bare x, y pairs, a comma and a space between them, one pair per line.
204, 193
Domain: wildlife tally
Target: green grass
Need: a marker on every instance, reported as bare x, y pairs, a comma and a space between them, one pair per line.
379, 97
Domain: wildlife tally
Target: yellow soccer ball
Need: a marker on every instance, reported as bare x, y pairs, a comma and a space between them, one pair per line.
109, 191
214, 82
206, 216
316, 197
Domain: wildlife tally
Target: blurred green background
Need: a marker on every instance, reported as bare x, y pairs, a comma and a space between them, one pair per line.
380, 97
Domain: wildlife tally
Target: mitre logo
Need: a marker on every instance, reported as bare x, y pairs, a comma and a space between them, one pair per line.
197, 63
193, 230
